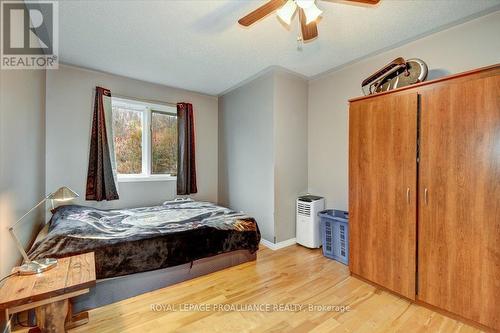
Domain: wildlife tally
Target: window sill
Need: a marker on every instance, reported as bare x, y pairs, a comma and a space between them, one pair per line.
139, 178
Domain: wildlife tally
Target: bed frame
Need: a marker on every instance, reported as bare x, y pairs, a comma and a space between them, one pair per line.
108, 291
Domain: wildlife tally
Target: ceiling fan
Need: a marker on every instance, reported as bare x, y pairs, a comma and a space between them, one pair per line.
308, 14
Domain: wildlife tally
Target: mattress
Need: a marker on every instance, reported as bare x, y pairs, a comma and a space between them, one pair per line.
128, 241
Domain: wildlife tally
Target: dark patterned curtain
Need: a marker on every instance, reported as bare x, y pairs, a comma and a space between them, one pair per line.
186, 166
101, 176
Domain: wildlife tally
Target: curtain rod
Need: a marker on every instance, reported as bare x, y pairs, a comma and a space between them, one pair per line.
152, 101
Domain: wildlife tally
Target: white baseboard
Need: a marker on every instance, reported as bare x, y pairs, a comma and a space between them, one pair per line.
280, 245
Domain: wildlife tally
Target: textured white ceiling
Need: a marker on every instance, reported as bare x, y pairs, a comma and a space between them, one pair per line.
198, 45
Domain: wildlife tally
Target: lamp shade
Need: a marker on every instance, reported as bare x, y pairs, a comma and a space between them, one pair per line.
286, 12
312, 13
63, 194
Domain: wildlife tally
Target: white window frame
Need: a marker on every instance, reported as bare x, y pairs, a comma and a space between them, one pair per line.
146, 108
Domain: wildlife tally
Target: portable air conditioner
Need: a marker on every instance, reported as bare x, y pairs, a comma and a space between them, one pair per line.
308, 228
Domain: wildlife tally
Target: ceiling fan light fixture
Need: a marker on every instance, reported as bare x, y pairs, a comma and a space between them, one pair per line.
312, 13
304, 3
286, 12
308, 14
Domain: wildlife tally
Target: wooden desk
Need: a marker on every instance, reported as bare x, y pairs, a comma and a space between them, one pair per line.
49, 293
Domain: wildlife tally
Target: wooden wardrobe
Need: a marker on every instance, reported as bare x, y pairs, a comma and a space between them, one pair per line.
424, 193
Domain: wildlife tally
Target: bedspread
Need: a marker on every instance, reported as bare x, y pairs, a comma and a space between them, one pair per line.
127, 241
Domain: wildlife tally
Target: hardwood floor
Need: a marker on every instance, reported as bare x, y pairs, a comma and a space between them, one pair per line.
293, 275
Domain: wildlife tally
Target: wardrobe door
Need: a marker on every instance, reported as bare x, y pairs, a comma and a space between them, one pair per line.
382, 191
459, 199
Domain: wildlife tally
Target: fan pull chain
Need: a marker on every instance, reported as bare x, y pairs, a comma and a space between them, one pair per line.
299, 43
300, 40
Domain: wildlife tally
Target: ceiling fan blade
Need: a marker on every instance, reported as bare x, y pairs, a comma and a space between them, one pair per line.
368, 2
261, 12
309, 31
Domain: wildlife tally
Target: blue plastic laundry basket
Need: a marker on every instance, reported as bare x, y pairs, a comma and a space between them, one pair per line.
335, 234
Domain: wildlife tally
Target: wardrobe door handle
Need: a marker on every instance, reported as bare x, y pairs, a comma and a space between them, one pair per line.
426, 196
408, 195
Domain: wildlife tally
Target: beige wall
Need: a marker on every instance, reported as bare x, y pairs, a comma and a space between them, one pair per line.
263, 150
290, 152
22, 157
467, 46
70, 92
246, 179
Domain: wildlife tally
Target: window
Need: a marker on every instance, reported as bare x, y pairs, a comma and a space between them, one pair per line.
145, 138
127, 135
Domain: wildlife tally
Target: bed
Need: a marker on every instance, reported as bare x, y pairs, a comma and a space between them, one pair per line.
142, 249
